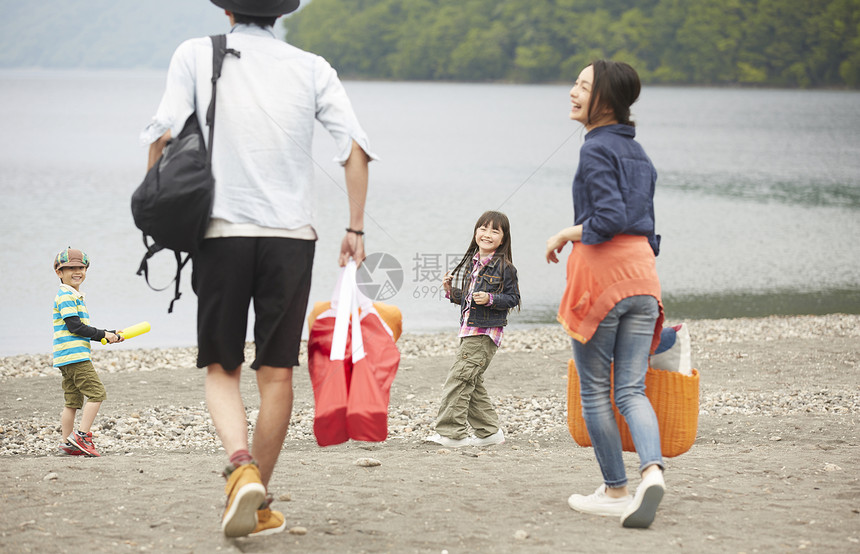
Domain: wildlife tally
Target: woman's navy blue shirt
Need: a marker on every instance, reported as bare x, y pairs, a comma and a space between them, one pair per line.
613, 189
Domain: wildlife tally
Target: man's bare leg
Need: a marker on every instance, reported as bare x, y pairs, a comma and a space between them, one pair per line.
224, 401
276, 407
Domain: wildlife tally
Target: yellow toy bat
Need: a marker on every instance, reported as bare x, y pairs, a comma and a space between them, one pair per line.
133, 331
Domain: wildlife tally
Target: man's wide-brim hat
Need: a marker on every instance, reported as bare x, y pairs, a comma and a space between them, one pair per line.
261, 8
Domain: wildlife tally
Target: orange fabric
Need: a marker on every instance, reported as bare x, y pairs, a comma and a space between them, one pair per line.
601, 275
674, 396
390, 315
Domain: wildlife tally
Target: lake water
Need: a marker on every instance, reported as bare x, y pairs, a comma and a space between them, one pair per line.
758, 197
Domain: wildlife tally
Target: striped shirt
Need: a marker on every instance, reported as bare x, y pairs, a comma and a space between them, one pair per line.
68, 347
466, 330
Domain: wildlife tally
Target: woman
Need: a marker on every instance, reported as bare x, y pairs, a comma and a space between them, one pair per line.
611, 306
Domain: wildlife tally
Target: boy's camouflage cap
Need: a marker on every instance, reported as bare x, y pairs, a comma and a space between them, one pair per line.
71, 257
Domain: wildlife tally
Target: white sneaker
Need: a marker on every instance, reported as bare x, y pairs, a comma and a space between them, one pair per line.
445, 441
599, 503
640, 513
496, 438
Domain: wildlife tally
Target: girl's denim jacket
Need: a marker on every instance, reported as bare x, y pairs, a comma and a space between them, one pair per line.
500, 280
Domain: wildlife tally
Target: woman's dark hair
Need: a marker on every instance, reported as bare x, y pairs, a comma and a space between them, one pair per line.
496, 220
258, 20
616, 87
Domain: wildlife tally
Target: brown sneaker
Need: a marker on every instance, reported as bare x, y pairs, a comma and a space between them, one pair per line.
269, 522
245, 493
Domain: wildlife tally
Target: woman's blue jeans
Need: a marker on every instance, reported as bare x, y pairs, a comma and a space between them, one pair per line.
624, 336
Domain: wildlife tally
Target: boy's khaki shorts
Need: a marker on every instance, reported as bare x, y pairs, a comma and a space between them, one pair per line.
80, 379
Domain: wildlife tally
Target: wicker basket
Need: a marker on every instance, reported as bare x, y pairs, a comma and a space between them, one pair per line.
674, 396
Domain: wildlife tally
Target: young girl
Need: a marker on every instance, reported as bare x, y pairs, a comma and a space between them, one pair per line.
488, 291
611, 306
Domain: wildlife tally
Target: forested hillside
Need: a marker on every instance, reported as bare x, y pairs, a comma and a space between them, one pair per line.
788, 43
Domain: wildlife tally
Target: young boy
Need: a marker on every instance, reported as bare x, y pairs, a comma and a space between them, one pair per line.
72, 336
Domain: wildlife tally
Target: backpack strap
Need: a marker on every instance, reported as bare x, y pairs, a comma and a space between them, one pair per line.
219, 51
143, 269
180, 263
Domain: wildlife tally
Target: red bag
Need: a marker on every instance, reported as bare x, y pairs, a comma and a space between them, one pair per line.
351, 392
328, 379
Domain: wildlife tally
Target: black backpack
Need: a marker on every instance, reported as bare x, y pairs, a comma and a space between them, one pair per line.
173, 203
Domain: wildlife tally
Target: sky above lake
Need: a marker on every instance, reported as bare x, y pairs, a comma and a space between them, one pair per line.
101, 34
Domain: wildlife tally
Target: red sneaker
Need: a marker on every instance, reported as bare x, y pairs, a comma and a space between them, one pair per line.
84, 441
69, 449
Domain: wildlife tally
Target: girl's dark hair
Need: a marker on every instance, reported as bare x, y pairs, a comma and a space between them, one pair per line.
616, 87
259, 21
496, 220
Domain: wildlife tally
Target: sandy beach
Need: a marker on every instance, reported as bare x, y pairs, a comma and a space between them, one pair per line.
775, 467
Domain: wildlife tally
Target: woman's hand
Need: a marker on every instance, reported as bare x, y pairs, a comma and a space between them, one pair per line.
555, 244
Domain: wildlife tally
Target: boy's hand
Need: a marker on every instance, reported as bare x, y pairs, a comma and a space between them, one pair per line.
113, 337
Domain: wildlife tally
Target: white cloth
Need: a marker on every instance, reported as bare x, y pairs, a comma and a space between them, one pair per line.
220, 228
268, 100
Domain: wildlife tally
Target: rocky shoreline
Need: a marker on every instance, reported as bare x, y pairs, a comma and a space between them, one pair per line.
188, 427
545, 338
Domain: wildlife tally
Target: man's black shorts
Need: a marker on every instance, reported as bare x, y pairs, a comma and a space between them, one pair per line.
229, 273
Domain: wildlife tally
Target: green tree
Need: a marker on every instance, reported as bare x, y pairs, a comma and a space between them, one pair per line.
779, 38
709, 39
833, 40
485, 53
849, 67
768, 42
588, 39
411, 58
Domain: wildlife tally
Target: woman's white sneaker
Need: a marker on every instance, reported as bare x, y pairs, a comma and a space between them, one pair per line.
640, 514
599, 503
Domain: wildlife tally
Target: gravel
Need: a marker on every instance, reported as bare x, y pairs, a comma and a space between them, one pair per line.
187, 428
547, 338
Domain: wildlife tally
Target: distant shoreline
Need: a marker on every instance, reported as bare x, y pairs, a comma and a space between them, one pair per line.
547, 338
346, 78
820, 304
